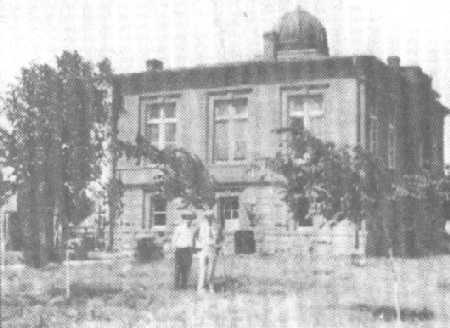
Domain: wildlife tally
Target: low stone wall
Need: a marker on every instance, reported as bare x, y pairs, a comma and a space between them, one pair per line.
296, 242
304, 242
307, 241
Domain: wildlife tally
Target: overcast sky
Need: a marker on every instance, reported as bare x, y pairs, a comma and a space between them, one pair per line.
192, 32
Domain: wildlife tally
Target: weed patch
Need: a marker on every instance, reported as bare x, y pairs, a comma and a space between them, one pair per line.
86, 290
388, 313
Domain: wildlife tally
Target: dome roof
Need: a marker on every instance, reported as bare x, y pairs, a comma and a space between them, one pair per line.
299, 30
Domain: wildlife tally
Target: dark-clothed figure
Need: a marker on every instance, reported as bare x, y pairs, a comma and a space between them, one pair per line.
182, 241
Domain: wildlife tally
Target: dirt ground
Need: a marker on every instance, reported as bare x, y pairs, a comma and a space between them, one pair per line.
252, 291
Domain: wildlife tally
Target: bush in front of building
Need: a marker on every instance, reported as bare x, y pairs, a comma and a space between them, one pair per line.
147, 250
404, 211
77, 249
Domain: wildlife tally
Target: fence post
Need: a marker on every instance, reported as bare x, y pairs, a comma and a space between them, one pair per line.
2, 260
67, 280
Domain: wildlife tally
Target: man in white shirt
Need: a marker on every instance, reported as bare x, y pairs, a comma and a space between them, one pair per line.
182, 241
208, 239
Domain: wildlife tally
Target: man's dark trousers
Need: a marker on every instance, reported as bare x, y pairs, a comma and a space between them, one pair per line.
183, 263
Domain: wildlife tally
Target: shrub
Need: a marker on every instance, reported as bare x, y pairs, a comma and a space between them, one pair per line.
78, 249
404, 210
147, 250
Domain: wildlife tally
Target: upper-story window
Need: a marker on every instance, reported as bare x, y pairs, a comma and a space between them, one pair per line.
391, 147
161, 124
306, 112
230, 130
373, 134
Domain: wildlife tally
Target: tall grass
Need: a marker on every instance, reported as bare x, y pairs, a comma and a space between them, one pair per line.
272, 291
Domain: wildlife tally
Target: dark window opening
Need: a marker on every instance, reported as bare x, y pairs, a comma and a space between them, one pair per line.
228, 208
158, 215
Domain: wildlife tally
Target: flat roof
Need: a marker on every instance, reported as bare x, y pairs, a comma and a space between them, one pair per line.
260, 71
242, 73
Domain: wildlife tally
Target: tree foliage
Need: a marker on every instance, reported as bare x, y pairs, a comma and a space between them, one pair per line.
63, 140
7, 184
55, 114
319, 178
181, 174
345, 183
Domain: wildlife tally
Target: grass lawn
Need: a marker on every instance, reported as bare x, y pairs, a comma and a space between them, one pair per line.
252, 291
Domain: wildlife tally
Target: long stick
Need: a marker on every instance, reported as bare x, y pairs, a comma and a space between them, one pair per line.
2, 262
67, 275
396, 289
223, 269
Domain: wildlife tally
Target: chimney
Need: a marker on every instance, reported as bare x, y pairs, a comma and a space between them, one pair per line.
393, 61
270, 45
154, 65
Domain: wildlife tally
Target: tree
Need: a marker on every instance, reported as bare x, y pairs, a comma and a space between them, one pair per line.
56, 114
339, 183
319, 178
181, 174
63, 145
7, 185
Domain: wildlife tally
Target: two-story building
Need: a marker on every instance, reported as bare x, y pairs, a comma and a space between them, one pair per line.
227, 113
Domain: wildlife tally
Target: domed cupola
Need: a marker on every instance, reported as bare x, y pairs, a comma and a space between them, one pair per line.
299, 30
298, 34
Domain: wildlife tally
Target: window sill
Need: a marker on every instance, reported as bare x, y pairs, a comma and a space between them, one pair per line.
234, 163
158, 228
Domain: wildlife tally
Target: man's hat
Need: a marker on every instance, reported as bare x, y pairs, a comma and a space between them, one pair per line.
187, 214
209, 213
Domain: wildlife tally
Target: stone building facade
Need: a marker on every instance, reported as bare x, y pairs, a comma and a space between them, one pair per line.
227, 113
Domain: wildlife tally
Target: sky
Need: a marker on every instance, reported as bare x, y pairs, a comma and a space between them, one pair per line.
185, 33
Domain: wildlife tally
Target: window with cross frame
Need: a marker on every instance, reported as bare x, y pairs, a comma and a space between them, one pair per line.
230, 139
161, 124
306, 112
